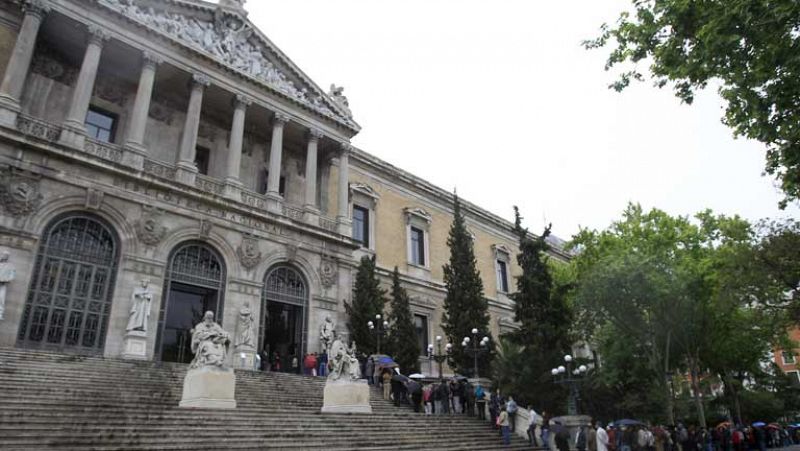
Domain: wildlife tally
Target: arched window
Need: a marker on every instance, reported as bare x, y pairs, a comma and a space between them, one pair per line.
72, 286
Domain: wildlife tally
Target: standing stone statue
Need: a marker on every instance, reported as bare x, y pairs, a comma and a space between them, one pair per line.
244, 328
209, 343
141, 300
327, 334
7, 274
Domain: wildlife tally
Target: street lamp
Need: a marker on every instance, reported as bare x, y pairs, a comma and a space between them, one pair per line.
380, 328
439, 356
572, 377
476, 349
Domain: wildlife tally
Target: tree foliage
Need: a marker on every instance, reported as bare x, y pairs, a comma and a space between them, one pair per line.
465, 307
403, 344
368, 301
749, 48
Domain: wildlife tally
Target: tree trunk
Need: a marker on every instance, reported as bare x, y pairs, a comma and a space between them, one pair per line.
737, 407
667, 384
698, 400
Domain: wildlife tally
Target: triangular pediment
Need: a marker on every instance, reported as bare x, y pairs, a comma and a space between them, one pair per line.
226, 35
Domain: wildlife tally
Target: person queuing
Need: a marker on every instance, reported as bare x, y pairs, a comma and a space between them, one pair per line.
480, 402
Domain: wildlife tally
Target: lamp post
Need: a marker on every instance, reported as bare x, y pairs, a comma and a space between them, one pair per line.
572, 377
380, 328
476, 349
439, 356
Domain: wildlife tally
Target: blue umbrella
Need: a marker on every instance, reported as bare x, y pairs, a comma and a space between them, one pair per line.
759, 424
628, 422
386, 360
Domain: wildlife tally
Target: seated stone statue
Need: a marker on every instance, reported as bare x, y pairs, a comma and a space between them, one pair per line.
209, 343
343, 362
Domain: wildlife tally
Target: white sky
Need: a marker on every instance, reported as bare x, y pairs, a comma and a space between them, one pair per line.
498, 98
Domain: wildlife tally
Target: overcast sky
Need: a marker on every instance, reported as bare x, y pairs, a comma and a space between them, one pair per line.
499, 99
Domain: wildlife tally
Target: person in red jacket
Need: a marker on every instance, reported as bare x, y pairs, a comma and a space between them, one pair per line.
310, 363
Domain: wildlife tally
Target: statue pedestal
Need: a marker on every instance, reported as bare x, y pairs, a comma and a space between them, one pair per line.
345, 396
135, 345
210, 388
244, 359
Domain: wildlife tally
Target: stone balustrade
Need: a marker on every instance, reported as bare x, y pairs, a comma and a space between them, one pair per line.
37, 128
209, 185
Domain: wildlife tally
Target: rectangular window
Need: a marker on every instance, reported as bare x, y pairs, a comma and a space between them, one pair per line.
421, 326
201, 157
788, 357
417, 246
264, 180
794, 376
502, 276
361, 225
100, 124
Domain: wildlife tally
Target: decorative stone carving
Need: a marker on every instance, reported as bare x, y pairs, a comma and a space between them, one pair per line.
327, 334
50, 64
231, 40
94, 198
366, 190
7, 275
337, 95
162, 111
327, 272
19, 192
245, 328
141, 301
291, 252
205, 228
107, 89
209, 343
38, 7
148, 228
249, 254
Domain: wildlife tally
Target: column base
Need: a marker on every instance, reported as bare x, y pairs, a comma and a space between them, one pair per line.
274, 202
9, 111
344, 226
232, 189
311, 214
135, 345
134, 155
73, 134
186, 172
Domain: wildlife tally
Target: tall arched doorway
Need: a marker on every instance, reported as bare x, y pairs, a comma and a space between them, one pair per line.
284, 305
194, 284
72, 286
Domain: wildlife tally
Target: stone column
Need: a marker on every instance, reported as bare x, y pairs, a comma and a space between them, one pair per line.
20, 61
74, 130
312, 212
343, 220
233, 186
135, 151
274, 198
186, 169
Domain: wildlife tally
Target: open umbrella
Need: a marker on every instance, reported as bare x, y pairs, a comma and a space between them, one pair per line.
773, 426
759, 424
629, 422
417, 376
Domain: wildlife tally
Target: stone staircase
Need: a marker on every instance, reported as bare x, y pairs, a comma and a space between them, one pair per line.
52, 400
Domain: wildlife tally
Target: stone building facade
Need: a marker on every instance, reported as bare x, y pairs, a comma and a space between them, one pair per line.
170, 140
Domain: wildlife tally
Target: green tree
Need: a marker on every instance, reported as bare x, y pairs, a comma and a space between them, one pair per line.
368, 301
545, 318
403, 344
465, 307
747, 47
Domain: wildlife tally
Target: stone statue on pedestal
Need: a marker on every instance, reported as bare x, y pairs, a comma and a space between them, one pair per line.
244, 328
344, 364
209, 343
327, 333
141, 299
7, 274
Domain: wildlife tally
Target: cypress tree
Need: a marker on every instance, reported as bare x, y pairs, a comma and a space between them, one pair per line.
403, 344
465, 307
368, 301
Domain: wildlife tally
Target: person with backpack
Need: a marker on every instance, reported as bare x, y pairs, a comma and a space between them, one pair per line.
480, 402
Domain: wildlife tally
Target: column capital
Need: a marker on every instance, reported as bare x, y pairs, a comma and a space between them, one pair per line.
38, 8
281, 118
345, 149
97, 35
200, 81
242, 101
150, 59
315, 134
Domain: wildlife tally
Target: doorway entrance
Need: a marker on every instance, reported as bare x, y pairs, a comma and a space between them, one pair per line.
193, 286
283, 329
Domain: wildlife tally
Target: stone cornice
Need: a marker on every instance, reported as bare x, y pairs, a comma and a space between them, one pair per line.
442, 198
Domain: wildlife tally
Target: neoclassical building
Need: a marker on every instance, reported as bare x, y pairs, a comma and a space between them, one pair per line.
169, 141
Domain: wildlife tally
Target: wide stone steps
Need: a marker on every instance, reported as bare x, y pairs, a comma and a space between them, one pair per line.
49, 400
